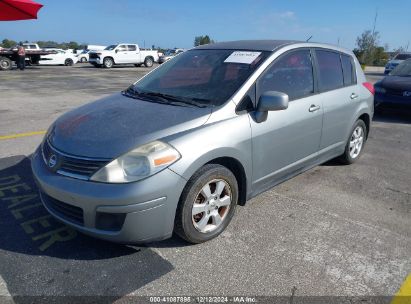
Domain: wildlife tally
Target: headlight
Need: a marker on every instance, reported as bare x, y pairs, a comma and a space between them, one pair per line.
137, 164
380, 90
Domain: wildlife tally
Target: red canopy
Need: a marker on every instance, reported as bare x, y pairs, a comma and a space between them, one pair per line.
18, 9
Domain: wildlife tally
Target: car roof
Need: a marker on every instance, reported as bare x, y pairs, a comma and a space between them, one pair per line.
251, 45
268, 45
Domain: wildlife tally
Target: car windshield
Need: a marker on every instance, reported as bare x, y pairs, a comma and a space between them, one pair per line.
402, 56
111, 47
403, 70
209, 77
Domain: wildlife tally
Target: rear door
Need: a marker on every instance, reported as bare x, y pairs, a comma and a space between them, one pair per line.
340, 96
289, 139
133, 54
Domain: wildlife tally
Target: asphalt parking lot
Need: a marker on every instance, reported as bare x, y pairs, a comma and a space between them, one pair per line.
332, 231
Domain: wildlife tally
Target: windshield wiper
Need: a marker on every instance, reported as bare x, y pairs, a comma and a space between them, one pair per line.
176, 99
165, 98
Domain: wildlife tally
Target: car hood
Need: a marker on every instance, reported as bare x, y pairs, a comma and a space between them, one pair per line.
114, 125
397, 83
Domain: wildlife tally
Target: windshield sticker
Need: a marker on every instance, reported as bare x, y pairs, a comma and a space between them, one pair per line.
242, 57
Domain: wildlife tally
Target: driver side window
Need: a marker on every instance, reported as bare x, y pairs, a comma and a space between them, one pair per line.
291, 73
122, 48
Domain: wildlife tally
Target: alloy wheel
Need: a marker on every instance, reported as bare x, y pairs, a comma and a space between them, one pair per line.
211, 205
356, 142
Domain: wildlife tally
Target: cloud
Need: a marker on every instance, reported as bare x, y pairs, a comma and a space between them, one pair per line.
287, 15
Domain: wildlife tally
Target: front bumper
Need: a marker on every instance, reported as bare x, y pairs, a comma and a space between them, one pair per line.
95, 60
144, 211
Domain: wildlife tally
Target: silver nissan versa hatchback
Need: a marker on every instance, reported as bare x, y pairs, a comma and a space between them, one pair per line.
210, 129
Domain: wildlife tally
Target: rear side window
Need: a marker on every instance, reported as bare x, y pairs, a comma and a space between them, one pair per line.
330, 70
348, 69
292, 74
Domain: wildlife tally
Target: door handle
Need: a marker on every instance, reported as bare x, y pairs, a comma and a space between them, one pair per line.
314, 108
353, 96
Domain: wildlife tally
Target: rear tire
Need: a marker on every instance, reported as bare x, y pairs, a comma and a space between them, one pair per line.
68, 62
108, 62
355, 144
207, 204
148, 62
5, 64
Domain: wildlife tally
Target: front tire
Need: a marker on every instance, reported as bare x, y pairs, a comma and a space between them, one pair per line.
108, 63
207, 204
83, 60
355, 144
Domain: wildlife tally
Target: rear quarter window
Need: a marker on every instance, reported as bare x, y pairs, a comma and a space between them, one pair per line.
348, 70
330, 70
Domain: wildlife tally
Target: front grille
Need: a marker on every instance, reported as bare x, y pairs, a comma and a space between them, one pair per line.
69, 212
73, 166
93, 56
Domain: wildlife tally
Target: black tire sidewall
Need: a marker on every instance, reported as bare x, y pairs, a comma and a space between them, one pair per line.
148, 62
108, 59
9, 64
68, 62
184, 225
346, 157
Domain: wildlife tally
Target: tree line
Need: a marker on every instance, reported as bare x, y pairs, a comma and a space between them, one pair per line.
7, 43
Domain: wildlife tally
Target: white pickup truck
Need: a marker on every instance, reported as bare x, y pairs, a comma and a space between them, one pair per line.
122, 53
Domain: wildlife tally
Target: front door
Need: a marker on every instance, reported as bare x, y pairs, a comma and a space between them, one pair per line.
289, 139
121, 54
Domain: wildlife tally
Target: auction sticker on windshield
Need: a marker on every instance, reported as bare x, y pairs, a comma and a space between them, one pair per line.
242, 57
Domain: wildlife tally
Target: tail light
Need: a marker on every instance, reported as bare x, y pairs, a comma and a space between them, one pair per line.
370, 87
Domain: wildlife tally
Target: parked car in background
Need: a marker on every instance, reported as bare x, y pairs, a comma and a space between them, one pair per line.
394, 91
61, 57
123, 53
392, 64
168, 54
215, 126
83, 55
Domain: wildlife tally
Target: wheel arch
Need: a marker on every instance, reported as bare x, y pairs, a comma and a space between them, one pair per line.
237, 169
231, 163
111, 57
367, 120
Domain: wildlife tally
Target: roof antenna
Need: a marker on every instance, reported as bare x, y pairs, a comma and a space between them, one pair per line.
309, 38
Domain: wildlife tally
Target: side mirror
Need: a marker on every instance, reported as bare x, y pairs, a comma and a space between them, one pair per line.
270, 101
116, 51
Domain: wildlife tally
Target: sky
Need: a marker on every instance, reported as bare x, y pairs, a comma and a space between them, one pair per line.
170, 24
